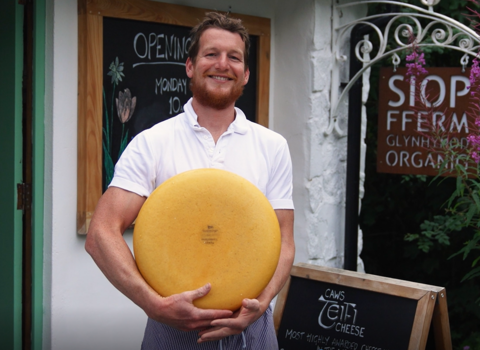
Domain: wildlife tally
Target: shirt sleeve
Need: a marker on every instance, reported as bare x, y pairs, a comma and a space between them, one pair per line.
135, 170
279, 188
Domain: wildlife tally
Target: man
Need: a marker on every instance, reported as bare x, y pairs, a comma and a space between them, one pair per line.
211, 133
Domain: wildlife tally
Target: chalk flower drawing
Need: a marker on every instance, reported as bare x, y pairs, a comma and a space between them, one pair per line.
116, 71
125, 108
125, 105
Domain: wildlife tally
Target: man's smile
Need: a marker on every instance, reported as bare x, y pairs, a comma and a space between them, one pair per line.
220, 77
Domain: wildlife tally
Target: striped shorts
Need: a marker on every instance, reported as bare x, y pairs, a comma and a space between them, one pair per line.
260, 335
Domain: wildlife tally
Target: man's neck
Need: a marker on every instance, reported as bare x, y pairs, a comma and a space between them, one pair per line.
214, 120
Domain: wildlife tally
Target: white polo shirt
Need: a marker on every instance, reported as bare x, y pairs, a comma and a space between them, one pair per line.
180, 144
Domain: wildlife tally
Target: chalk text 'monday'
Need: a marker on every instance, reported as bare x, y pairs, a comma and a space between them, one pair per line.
170, 85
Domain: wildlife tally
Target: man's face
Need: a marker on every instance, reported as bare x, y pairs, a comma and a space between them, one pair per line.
218, 74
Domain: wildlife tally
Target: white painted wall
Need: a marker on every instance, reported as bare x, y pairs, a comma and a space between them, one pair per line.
302, 78
86, 312
82, 309
291, 108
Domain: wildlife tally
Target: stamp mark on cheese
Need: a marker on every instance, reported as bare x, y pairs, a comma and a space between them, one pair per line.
210, 235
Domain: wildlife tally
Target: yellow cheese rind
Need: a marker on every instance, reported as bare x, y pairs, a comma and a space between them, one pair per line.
207, 226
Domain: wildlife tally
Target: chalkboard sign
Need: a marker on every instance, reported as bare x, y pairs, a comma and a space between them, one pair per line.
327, 309
134, 51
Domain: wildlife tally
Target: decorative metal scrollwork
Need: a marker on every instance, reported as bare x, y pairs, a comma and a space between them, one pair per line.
440, 30
396, 61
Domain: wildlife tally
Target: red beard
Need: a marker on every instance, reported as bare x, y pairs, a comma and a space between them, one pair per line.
215, 99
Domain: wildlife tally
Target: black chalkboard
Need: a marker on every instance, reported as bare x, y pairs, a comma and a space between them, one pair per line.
330, 309
148, 59
344, 317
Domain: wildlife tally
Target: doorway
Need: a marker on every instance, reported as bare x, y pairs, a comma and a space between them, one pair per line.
21, 207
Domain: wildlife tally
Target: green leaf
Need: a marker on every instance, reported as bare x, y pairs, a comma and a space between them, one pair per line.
425, 245
106, 129
477, 200
109, 166
460, 185
441, 169
461, 170
123, 144
443, 239
472, 274
411, 237
472, 210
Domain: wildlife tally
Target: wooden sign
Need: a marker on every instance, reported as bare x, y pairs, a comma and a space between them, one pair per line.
409, 130
327, 309
134, 51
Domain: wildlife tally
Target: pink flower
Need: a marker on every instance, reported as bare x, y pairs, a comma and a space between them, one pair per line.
474, 77
474, 136
125, 105
416, 67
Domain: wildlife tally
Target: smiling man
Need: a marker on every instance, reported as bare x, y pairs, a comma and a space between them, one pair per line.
211, 133
218, 72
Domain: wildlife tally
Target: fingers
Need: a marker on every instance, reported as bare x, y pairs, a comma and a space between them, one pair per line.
224, 327
200, 292
249, 312
229, 323
212, 332
215, 333
251, 304
200, 320
179, 312
206, 314
214, 314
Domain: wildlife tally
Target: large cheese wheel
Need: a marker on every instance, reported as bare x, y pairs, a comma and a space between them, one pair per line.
207, 226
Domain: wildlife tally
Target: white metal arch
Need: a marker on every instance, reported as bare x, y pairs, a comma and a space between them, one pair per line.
451, 34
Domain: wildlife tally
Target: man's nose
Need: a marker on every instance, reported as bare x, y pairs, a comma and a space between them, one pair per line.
222, 62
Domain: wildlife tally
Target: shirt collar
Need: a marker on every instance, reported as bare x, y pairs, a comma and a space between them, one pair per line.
239, 125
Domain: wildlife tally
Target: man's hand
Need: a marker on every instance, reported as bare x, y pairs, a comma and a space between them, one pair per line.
249, 312
252, 309
178, 311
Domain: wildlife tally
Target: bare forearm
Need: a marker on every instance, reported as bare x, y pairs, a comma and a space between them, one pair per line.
287, 254
114, 258
115, 211
279, 278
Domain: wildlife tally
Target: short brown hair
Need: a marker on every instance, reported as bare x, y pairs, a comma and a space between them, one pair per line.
220, 21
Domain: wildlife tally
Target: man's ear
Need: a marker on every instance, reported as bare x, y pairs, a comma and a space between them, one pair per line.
189, 67
247, 76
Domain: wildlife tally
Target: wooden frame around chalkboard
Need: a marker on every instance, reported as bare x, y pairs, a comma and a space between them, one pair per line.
90, 82
431, 300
